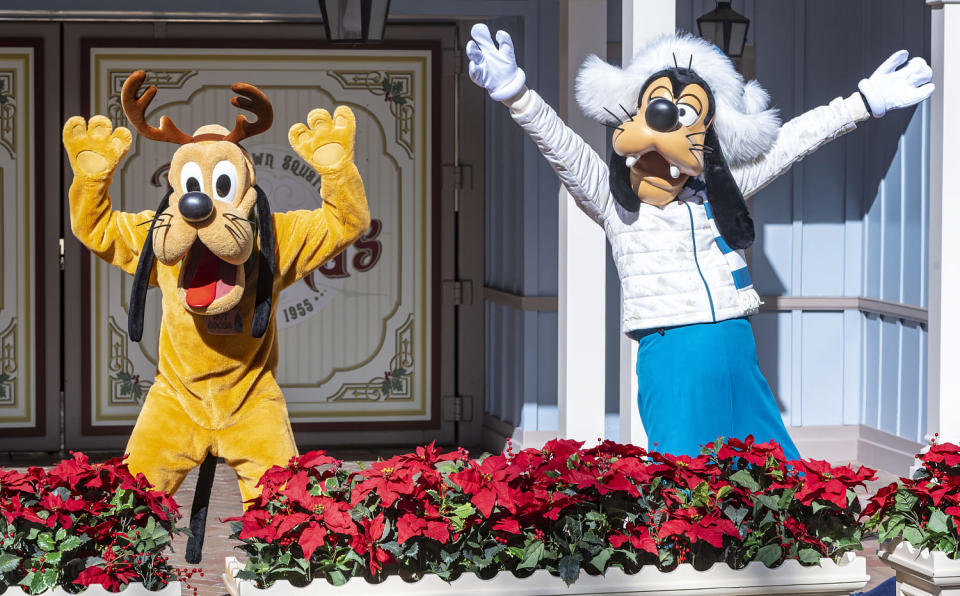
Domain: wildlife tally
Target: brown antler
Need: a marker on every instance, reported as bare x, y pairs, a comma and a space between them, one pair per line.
135, 108
253, 100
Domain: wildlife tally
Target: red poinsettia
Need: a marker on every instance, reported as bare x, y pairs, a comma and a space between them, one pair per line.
923, 510
609, 505
488, 483
80, 511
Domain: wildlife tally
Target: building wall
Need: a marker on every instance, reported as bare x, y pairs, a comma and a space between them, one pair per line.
521, 241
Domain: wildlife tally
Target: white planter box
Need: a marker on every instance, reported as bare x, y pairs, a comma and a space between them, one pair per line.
172, 589
921, 572
830, 578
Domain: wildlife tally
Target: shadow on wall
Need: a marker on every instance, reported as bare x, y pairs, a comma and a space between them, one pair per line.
832, 190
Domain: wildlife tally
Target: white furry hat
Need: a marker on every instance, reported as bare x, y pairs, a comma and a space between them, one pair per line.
744, 125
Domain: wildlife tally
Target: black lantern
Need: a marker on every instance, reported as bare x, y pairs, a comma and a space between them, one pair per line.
726, 28
354, 21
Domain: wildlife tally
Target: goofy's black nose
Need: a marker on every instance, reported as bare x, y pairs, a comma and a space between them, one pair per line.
662, 115
195, 207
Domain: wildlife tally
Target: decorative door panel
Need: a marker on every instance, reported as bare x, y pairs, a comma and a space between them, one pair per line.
355, 335
21, 404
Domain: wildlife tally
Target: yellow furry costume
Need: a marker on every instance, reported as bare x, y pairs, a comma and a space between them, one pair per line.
214, 392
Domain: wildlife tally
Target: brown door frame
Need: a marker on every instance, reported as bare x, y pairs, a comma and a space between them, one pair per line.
44, 38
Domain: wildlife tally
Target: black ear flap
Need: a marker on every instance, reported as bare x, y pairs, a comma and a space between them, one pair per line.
620, 183
265, 268
726, 202
141, 279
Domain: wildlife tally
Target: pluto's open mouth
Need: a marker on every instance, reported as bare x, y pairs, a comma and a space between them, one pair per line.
207, 277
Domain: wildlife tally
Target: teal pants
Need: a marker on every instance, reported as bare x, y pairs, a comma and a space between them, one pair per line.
700, 382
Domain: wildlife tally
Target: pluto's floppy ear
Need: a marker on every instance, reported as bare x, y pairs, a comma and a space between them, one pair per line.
141, 279
726, 202
266, 267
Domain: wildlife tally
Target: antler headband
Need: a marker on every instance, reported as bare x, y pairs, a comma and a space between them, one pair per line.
248, 98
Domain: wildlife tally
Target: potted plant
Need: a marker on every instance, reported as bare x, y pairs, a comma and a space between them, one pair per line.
80, 524
916, 521
561, 519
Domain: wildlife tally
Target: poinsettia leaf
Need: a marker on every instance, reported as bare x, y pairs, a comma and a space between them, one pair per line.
769, 501
599, 561
808, 555
247, 574
744, 479
532, 554
914, 536
769, 554
337, 577
447, 467
904, 501
786, 498
8, 562
569, 568
938, 522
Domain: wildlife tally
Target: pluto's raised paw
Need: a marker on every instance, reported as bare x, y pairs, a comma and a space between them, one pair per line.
327, 143
96, 148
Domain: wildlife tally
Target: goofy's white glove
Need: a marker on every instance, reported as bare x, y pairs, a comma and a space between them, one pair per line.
495, 69
889, 88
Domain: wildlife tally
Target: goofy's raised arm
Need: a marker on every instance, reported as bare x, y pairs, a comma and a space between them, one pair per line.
892, 85
580, 169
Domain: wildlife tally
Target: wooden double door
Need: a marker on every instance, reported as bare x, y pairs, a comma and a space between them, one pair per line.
370, 343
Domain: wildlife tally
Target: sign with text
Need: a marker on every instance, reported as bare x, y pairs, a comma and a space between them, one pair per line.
354, 334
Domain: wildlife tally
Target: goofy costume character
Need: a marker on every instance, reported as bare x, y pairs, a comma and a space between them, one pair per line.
690, 143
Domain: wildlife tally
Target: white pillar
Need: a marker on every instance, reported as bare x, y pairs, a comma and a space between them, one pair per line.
943, 387
642, 21
580, 328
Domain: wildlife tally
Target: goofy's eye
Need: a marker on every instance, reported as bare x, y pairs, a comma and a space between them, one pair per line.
687, 114
225, 181
191, 177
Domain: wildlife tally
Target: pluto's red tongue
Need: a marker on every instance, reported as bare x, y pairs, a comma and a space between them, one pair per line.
202, 286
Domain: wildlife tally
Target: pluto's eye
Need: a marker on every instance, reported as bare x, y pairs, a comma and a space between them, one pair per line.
687, 114
191, 177
225, 181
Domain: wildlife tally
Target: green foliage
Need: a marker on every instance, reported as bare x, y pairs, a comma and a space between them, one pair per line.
923, 510
132, 386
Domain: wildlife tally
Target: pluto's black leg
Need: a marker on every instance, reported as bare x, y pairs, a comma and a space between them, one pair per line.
198, 512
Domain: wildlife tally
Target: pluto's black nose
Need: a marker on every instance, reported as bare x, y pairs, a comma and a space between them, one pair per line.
196, 207
662, 115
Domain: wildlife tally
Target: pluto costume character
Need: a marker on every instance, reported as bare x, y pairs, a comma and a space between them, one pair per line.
222, 261
691, 140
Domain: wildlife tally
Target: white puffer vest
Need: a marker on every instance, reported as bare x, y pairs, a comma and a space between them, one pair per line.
672, 269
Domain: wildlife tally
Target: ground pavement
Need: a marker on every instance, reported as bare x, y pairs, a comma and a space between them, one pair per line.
225, 502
